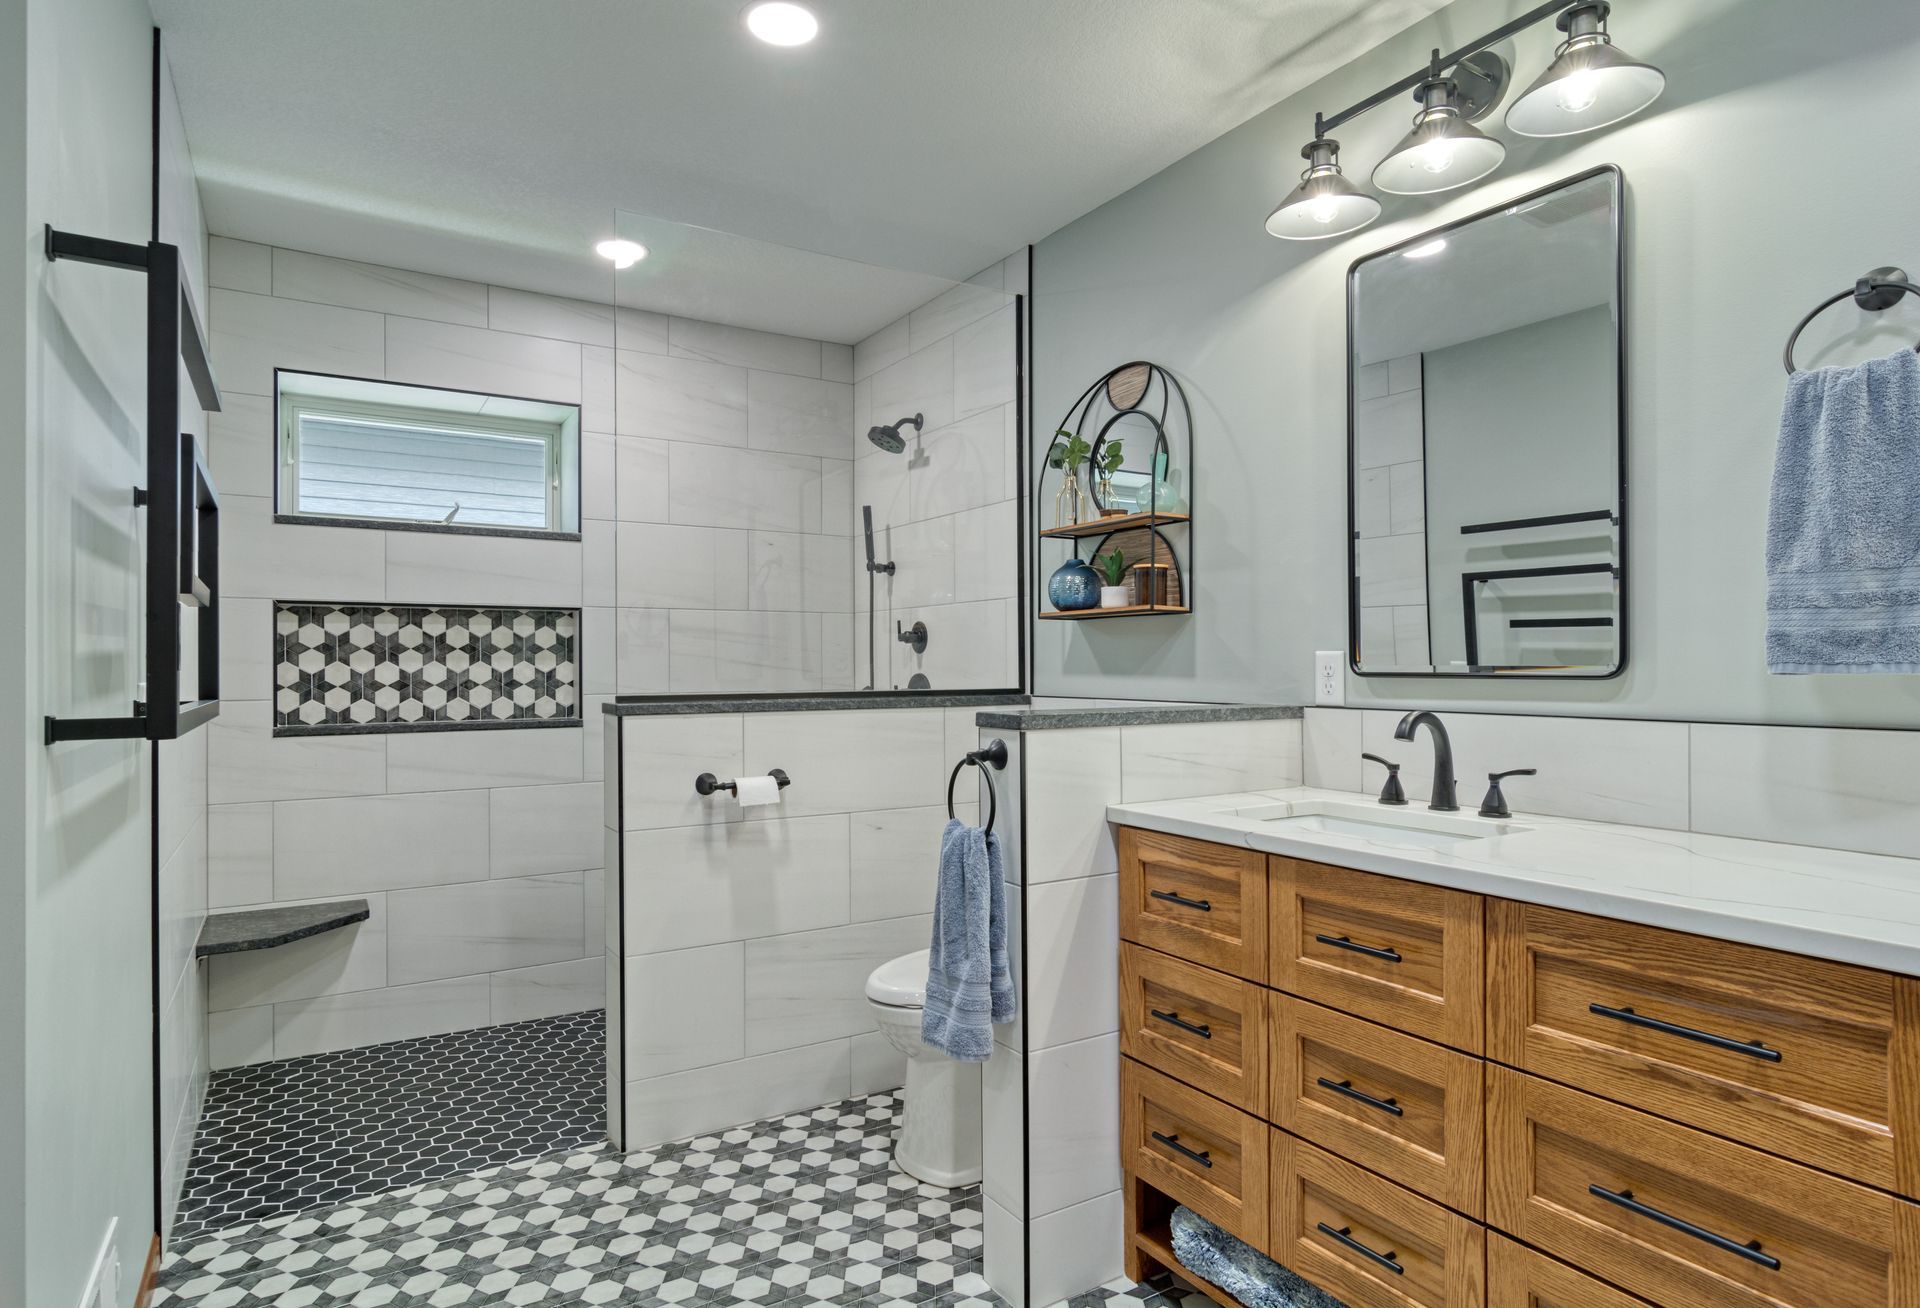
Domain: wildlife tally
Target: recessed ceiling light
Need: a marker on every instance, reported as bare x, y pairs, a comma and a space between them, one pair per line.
623, 254
781, 22
1425, 251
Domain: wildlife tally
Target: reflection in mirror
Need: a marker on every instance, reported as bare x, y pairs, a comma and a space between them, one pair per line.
1487, 444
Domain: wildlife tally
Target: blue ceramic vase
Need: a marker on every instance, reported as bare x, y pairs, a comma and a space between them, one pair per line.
1074, 585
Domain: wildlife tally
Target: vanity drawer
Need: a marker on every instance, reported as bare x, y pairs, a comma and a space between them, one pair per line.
1682, 1217
1409, 1109
1196, 900
1367, 1241
1814, 1060
1401, 953
1205, 1154
1204, 1027
1519, 1277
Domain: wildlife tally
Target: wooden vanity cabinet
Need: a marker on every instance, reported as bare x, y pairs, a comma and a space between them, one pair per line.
1413, 1095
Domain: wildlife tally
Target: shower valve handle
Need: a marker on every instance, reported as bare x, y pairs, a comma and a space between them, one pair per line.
916, 635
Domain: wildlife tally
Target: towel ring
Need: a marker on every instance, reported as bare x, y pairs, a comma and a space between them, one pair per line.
1879, 290
994, 753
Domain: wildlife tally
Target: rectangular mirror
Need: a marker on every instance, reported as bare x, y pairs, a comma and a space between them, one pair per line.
1486, 443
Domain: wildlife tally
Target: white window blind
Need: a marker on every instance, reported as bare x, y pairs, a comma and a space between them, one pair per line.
365, 466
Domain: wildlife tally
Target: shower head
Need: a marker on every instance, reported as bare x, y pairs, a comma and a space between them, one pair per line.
889, 438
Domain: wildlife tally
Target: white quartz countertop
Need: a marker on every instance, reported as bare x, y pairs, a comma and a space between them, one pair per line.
1853, 908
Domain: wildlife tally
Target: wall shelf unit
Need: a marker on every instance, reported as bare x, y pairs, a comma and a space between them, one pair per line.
1107, 526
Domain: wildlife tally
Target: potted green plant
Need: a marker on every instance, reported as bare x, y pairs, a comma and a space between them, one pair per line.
1113, 570
1109, 463
1067, 453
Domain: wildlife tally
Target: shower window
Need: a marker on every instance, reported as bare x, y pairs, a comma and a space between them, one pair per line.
357, 452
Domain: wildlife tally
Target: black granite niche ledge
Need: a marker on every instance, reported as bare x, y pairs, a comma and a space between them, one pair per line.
263, 928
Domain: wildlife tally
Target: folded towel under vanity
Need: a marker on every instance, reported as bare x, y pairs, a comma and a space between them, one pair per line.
1843, 527
969, 985
1238, 1268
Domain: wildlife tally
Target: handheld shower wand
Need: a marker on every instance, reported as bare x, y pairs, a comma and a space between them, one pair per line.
866, 515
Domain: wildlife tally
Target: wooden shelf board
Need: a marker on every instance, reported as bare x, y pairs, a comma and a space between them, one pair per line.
1158, 1246
1121, 522
1126, 611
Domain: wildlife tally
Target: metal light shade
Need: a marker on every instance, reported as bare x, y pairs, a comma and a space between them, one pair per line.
1442, 151
1591, 84
1325, 204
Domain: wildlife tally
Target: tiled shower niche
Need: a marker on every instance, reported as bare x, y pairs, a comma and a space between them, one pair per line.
342, 668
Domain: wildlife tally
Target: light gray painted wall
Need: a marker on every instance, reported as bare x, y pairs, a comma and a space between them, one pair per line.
79, 890
1728, 243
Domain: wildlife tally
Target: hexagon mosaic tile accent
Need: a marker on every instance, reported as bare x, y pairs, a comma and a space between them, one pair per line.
388, 667
304, 1133
802, 1209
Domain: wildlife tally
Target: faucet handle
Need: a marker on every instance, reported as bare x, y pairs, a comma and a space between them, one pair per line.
1495, 804
1391, 793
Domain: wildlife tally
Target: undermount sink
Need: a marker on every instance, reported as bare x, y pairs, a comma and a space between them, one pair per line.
1379, 824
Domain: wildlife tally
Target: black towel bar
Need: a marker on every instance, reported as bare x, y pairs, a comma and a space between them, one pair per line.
993, 754
1878, 291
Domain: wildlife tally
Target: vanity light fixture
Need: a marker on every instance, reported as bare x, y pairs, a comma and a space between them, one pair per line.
1442, 151
623, 254
1325, 203
1590, 84
781, 22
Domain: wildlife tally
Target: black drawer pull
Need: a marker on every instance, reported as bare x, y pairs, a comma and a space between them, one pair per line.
1173, 1142
1341, 942
1182, 900
1624, 1198
1346, 1088
1174, 1019
1344, 1236
1751, 1048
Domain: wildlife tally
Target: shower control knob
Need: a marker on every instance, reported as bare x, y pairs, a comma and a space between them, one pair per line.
916, 635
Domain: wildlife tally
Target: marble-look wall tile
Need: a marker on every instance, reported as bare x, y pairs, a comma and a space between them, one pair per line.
849, 762
301, 276
882, 349
986, 553
1071, 777
949, 311
372, 1017
481, 760
1177, 760
680, 399
1331, 748
1393, 570
597, 650
836, 364
643, 491
1073, 1123
239, 265
537, 829
262, 559
246, 648
984, 367
661, 566
920, 383
689, 886
664, 754
714, 486
599, 476
643, 652
239, 1037
794, 571
530, 314
799, 415
474, 359
688, 338
351, 958
1834, 787
637, 329
895, 856
251, 335
714, 1098
1604, 769
239, 854
1077, 1246
756, 651
332, 848
484, 926
599, 389
247, 764
240, 445
809, 986
1389, 430
1070, 989
548, 990
877, 1065
924, 560
684, 1009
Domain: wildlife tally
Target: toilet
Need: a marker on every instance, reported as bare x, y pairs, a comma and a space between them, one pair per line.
939, 1135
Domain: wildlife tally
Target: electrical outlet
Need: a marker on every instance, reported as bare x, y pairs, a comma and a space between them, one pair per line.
1329, 678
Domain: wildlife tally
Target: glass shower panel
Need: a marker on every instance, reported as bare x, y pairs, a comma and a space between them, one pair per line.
810, 482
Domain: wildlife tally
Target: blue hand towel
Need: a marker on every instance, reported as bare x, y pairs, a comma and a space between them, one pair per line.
1238, 1268
1843, 529
969, 986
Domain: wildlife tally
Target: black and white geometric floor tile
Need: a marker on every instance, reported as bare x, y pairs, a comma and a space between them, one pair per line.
805, 1209
303, 1133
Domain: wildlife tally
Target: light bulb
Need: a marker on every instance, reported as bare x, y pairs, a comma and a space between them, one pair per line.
779, 22
1578, 91
1324, 210
1436, 156
621, 253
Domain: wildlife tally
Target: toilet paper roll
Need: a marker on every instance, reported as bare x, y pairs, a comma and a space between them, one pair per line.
755, 791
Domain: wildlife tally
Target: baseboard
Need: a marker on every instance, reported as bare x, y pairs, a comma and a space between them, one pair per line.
149, 1275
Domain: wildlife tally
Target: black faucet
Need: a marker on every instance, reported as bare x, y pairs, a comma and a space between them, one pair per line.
1443, 798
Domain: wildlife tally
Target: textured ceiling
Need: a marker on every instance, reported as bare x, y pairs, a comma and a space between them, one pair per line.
494, 139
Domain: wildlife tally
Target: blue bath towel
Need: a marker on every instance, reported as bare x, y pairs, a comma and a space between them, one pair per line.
1238, 1268
969, 986
1843, 530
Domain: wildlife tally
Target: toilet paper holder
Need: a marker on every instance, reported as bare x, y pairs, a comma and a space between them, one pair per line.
706, 783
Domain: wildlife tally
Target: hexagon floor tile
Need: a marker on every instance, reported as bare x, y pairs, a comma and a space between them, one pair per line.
805, 1209
303, 1133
